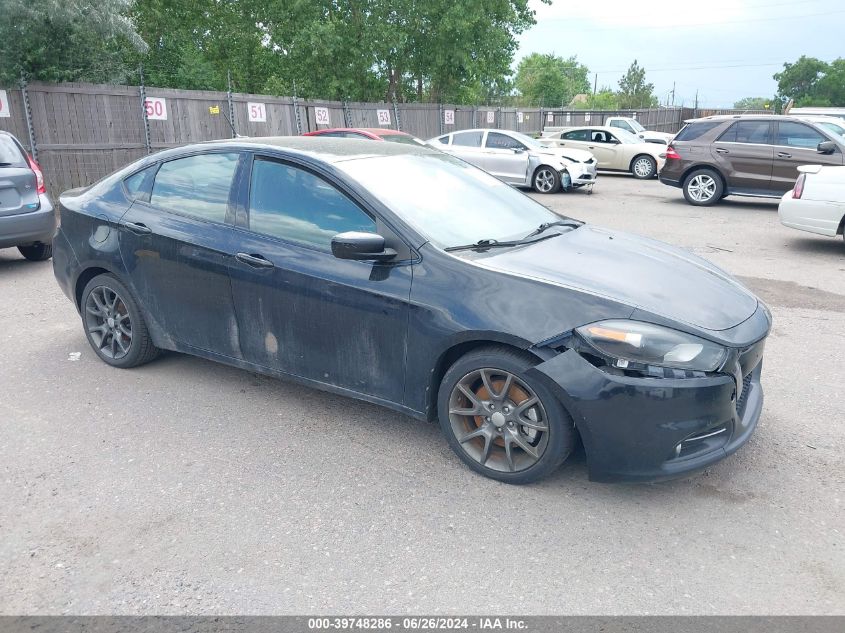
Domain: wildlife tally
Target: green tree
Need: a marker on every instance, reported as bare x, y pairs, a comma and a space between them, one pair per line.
753, 103
550, 80
634, 92
604, 99
67, 40
800, 81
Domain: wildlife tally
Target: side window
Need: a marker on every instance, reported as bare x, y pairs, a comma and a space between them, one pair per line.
576, 135
798, 135
444, 139
600, 136
756, 132
137, 185
693, 131
467, 139
497, 140
295, 205
196, 185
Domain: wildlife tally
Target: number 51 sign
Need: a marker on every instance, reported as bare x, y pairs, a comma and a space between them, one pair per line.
257, 112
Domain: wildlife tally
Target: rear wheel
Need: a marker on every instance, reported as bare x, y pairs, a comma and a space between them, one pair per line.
703, 187
643, 167
500, 422
37, 252
114, 325
546, 180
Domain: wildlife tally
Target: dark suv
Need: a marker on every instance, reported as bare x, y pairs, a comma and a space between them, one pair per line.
745, 155
27, 218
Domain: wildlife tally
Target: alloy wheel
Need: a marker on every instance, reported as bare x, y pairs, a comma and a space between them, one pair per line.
544, 180
643, 168
107, 322
702, 188
498, 420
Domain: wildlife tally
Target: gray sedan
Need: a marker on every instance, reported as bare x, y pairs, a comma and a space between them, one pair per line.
520, 160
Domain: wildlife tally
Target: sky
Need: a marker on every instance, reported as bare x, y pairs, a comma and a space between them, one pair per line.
724, 49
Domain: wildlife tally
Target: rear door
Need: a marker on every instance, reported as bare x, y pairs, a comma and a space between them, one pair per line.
744, 154
506, 158
468, 146
175, 243
18, 189
796, 144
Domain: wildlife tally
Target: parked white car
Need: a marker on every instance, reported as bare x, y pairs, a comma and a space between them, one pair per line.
831, 123
817, 202
520, 160
631, 125
614, 149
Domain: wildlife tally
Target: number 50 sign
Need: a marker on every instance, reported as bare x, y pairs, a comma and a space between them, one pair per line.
156, 108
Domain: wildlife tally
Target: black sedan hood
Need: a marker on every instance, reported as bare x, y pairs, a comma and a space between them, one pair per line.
637, 271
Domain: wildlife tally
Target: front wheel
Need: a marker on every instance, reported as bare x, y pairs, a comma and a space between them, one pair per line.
546, 180
500, 422
644, 167
114, 325
703, 188
37, 252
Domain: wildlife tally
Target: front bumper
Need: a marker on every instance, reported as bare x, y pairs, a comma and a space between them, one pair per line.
22, 229
582, 173
651, 429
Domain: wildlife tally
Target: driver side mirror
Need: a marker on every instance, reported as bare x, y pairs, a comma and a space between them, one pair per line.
517, 150
361, 246
826, 147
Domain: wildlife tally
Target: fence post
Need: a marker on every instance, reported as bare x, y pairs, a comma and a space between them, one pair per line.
30, 127
347, 115
499, 119
296, 111
231, 105
143, 94
440, 115
396, 114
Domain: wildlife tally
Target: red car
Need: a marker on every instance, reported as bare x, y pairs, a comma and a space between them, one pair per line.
372, 133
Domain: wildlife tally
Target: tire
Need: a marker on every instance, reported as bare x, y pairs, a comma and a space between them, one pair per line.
644, 167
703, 188
114, 325
483, 373
545, 180
37, 252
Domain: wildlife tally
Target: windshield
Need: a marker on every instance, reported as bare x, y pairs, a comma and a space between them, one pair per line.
406, 139
625, 136
448, 201
833, 127
636, 125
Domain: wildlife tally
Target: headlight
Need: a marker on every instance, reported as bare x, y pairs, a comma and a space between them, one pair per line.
638, 342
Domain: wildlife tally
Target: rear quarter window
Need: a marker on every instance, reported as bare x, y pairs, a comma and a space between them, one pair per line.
693, 131
10, 154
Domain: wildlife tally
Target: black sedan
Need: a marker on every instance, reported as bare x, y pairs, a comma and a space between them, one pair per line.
406, 277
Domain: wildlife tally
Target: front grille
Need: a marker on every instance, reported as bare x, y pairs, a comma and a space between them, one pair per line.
743, 397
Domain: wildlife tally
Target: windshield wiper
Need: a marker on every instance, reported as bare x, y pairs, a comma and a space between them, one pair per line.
547, 225
486, 244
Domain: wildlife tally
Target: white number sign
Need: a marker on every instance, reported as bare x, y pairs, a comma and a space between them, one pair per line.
4, 104
586, 118
257, 112
449, 117
156, 108
568, 117
491, 116
322, 116
519, 117
550, 117
383, 117
634, 114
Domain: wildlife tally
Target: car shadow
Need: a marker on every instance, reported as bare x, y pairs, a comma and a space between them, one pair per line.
821, 245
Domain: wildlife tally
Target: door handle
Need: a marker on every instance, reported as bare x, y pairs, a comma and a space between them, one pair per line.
256, 261
138, 228
784, 155
720, 150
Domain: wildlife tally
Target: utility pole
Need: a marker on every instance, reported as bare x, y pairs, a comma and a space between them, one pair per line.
696, 102
673, 94
595, 83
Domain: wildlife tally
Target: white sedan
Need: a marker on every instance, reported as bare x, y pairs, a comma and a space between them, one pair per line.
817, 202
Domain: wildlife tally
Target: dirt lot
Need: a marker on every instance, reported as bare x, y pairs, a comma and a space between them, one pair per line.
189, 487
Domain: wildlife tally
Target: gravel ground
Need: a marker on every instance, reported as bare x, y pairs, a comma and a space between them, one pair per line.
186, 486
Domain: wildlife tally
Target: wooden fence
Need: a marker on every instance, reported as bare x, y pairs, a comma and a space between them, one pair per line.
81, 132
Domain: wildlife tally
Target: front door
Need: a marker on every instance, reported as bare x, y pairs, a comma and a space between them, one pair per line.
744, 155
175, 247
301, 310
506, 158
796, 144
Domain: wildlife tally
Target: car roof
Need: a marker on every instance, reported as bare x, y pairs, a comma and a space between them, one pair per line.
330, 149
374, 131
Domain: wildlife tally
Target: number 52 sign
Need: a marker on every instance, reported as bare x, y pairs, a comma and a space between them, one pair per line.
156, 108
